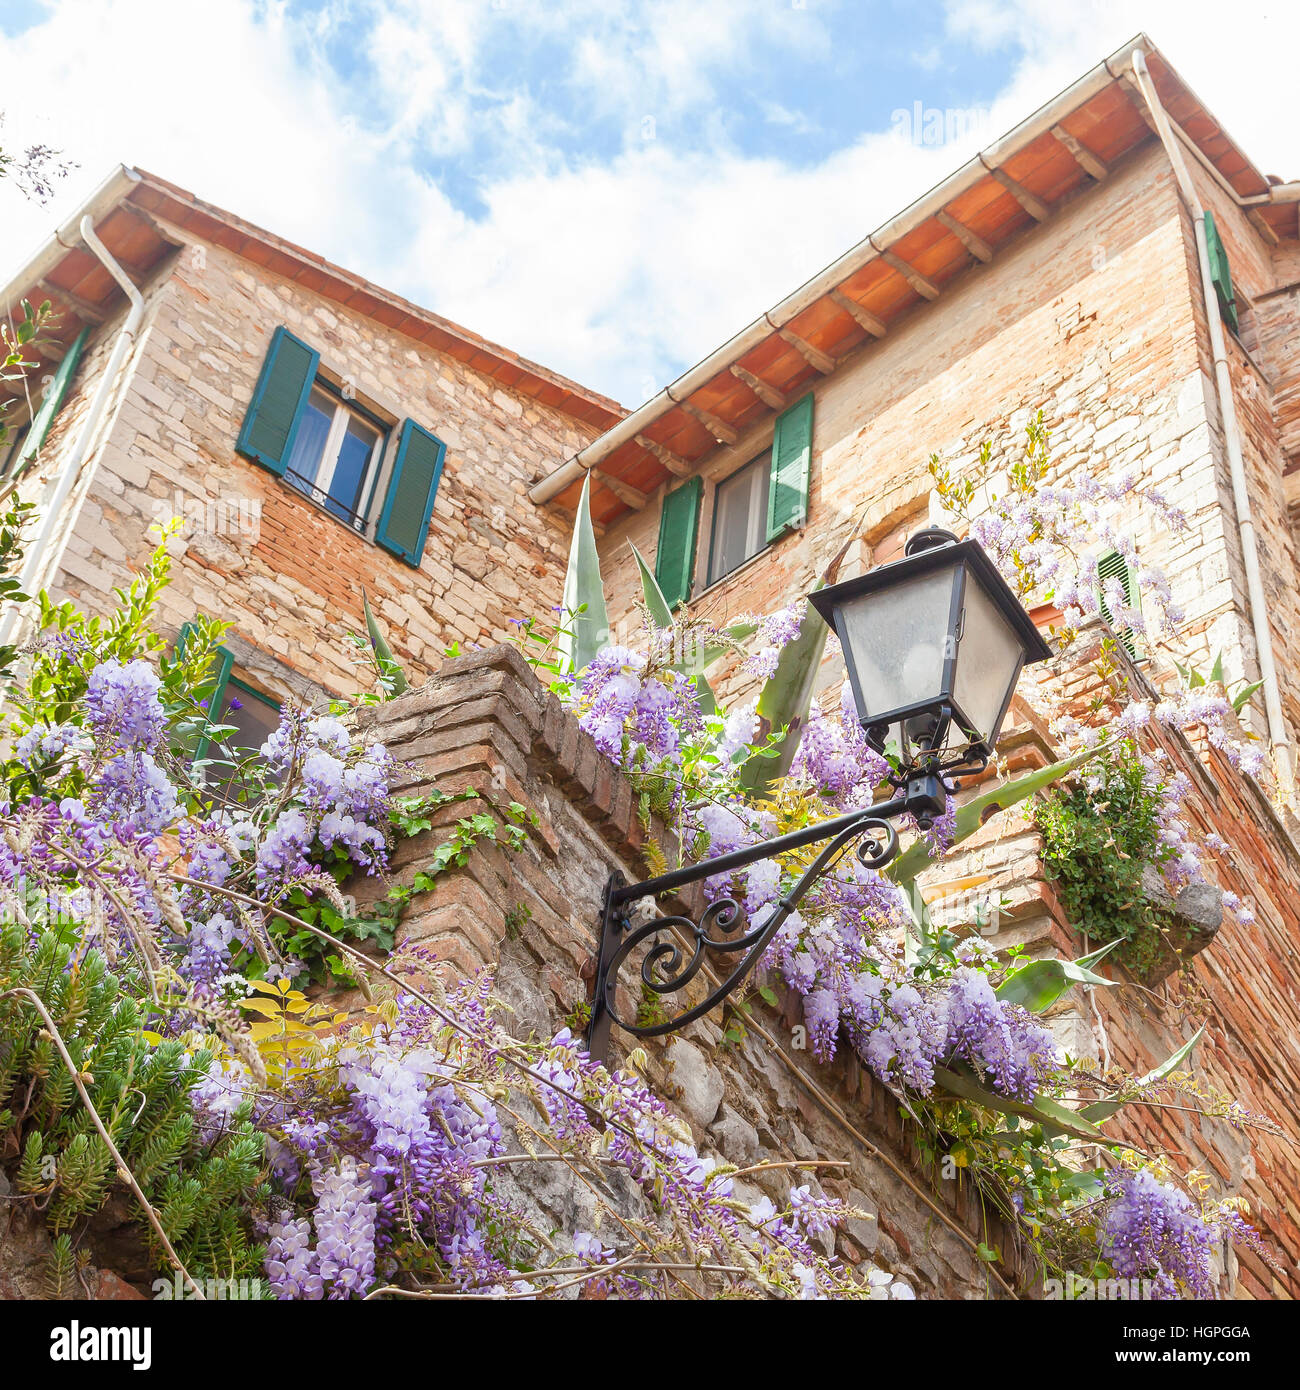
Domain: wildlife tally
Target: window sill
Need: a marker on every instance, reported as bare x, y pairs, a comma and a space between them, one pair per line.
360, 528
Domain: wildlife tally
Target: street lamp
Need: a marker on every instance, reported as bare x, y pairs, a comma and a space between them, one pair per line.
933, 645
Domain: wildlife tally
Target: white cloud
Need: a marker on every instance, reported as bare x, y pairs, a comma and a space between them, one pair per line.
618, 262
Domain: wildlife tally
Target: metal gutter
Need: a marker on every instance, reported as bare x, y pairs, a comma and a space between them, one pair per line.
68, 237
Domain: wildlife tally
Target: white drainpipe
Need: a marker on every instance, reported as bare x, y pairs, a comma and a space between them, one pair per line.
59, 488
1277, 726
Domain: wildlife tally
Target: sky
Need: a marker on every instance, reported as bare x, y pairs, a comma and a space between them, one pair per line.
611, 189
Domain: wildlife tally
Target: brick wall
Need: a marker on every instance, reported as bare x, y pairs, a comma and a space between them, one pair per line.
1241, 985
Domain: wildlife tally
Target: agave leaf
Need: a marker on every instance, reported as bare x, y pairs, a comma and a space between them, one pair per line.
1216, 671
585, 622
1056, 1119
660, 613
694, 661
388, 663
704, 697
1103, 1109
915, 941
1242, 698
1041, 983
916, 858
787, 694
692, 664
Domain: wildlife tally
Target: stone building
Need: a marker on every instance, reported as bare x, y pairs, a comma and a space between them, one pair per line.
318, 435
300, 418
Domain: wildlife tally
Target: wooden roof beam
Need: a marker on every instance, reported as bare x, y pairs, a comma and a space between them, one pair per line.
814, 356
160, 232
675, 465
1083, 156
976, 245
719, 429
926, 288
1262, 226
1034, 206
769, 395
863, 317
1134, 94
625, 492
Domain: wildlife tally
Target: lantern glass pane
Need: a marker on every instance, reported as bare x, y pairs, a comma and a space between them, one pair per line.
897, 637
989, 659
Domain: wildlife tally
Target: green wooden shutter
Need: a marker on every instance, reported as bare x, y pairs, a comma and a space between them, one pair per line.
1113, 564
408, 504
1220, 272
51, 401
282, 391
679, 520
212, 691
787, 490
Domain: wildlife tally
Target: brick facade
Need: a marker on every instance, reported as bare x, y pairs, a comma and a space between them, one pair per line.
1093, 317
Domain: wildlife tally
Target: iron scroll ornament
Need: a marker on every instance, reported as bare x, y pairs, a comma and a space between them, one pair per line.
667, 967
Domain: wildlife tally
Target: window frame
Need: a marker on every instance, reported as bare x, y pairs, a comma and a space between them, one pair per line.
225, 678
755, 517
317, 491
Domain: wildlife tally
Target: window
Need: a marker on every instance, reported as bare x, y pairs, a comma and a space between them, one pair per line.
299, 427
1113, 566
26, 441
255, 716
231, 700
1220, 272
740, 517
334, 451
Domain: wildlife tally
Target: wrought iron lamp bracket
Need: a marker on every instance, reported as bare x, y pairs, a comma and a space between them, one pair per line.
678, 946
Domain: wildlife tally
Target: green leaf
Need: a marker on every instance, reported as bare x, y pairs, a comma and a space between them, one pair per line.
916, 858
388, 663
585, 622
1054, 1118
1104, 1109
1242, 698
695, 659
655, 602
787, 694
915, 942
1216, 671
1041, 983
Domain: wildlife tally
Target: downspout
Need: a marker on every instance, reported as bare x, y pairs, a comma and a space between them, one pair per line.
59, 488
1277, 726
